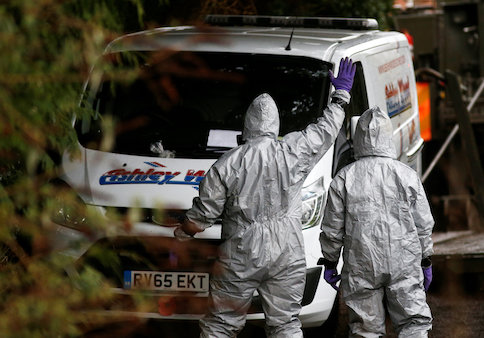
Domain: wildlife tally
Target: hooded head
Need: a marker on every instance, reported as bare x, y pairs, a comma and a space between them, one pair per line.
262, 118
373, 135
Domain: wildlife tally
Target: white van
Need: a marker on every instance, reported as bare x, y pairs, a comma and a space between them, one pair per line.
178, 103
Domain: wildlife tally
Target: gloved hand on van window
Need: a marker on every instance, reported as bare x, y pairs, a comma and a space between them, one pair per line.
346, 74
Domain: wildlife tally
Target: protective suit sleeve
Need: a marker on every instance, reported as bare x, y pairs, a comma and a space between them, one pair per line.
424, 220
209, 204
312, 143
333, 225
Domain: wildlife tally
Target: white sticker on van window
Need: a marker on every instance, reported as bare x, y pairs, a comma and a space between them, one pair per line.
223, 138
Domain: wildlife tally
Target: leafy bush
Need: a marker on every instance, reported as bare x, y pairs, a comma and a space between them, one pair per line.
47, 50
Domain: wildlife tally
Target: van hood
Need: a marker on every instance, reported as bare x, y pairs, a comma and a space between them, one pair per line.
117, 180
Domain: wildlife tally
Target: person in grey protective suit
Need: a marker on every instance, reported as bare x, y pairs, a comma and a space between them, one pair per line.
378, 212
255, 189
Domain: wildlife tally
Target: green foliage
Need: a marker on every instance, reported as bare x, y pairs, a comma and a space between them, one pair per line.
378, 9
48, 48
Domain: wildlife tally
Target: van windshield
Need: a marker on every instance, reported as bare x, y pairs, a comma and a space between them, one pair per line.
192, 104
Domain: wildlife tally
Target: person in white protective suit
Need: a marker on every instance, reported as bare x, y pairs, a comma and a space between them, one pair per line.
255, 189
378, 212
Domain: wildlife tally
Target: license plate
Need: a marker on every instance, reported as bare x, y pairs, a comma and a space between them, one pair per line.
166, 281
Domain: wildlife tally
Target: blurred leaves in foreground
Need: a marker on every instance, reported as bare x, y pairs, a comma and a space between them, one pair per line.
47, 48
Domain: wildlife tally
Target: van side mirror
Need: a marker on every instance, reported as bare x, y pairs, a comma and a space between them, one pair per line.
353, 123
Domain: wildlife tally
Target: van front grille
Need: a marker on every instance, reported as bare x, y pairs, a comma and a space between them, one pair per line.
113, 256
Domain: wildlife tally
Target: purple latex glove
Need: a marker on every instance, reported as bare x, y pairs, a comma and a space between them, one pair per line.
346, 74
331, 276
427, 272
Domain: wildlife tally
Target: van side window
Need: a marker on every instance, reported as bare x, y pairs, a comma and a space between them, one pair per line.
359, 97
343, 149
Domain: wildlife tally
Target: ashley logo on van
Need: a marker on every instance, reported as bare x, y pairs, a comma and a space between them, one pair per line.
398, 96
152, 176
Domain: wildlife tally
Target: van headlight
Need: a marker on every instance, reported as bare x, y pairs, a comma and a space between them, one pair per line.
69, 210
313, 201
72, 215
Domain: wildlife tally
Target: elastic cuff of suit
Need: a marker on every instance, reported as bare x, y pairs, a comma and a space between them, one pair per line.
341, 94
426, 262
328, 264
338, 101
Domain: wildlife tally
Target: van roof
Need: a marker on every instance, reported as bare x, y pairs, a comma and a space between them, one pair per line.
315, 42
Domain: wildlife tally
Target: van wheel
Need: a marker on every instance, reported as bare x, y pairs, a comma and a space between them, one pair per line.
330, 326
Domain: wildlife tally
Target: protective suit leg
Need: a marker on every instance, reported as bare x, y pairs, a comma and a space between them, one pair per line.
229, 301
408, 309
366, 313
281, 297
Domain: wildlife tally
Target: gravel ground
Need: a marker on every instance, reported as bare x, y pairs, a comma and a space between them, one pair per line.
454, 317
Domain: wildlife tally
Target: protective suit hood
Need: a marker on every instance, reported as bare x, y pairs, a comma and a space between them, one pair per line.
373, 135
262, 118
